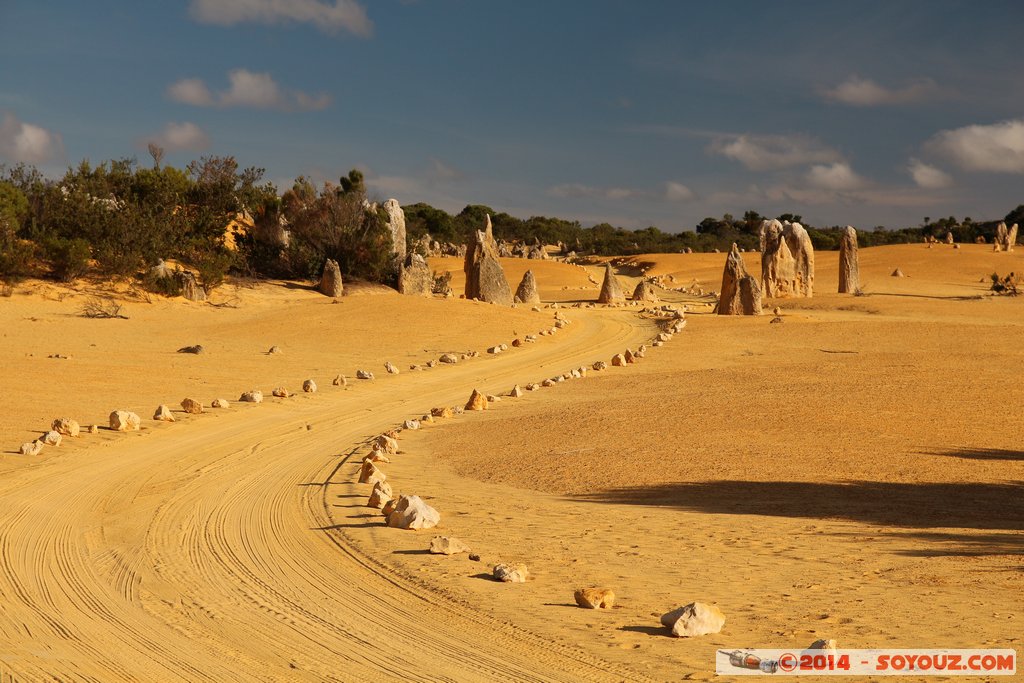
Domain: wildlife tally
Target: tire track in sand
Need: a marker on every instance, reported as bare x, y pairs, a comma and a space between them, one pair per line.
192, 555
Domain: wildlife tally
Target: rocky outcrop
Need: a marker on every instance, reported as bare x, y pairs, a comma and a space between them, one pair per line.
485, 279
396, 226
595, 598
740, 295
778, 267
330, 282
645, 292
1005, 238
412, 512
414, 277
849, 271
611, 290
527, 292
800, 246
750, 296
695, 619
124, 421
787, 260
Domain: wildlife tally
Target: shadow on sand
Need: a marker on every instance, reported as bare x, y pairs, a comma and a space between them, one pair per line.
990, 507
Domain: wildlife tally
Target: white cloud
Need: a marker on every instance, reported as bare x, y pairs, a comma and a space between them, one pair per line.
928, 177
246, 89
329, 17
180, 137
579, 190
998, 147
191, 91
863, 92
669, 191
27, 142
767, 152
836, 177
677, 192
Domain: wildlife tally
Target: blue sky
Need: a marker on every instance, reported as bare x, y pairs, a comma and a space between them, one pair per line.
641, 113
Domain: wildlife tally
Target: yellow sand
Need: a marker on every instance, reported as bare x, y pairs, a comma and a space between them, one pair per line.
852, 473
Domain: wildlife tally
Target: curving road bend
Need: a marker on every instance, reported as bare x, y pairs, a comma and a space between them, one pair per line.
206, 552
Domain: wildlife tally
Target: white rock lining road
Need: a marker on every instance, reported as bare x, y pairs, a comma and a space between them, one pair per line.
207, 552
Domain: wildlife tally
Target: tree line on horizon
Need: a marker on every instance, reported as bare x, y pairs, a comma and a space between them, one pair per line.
119, 219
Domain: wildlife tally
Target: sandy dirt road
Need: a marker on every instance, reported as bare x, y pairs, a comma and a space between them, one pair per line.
207, 552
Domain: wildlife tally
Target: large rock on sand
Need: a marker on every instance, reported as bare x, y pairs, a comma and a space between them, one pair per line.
611, 290
485, 279
1005, 238
330, 282
396, 226
66, 426
414, 277
412, 512
595, 598
778, 267
447, 545
380, 495
645, 292
511, 573
477, 401
849, 270
124, 421
695, 619
527, 292
737, 294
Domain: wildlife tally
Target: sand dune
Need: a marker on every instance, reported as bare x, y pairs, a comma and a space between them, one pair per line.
852, 473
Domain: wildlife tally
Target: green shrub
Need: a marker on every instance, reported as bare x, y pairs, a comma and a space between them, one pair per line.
69, 258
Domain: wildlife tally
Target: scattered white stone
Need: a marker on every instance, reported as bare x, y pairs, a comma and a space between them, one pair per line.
516, 392
449, 358
411, 424
309, 386
380, 495
391, 369
220, 403
364, 374
370, 473
254, 396
274, 349
340, 381
66, 426
510, 573
695, 619
125, 421
52, 438
163, 414
191, 406
595, 598
411, 512
447, 545
31, 448
280, 392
